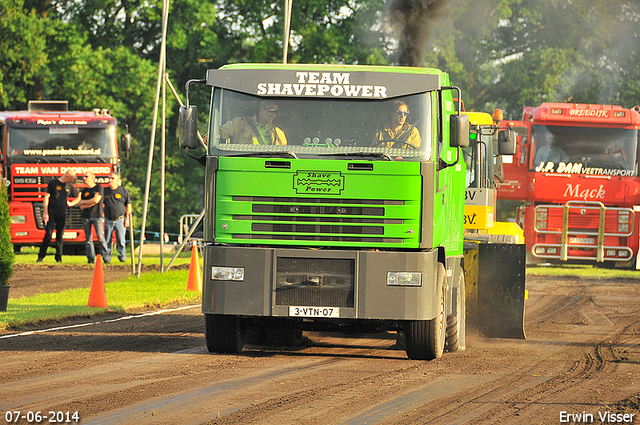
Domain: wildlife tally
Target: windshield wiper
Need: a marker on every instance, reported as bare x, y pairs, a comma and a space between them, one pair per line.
265, 154
363, 154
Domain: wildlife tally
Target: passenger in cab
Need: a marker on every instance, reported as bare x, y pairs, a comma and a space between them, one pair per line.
257, 130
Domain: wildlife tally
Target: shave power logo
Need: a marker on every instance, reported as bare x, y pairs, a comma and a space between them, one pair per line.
318, 182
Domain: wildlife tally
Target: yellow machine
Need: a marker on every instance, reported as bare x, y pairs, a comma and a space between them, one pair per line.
494, 253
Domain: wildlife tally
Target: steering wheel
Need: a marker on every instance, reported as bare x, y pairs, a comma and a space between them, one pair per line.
394, 141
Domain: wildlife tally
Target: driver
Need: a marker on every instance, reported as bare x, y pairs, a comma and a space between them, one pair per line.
257, 130
399, 129
551, 153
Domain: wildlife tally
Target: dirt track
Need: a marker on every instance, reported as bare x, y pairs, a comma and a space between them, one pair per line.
581, 356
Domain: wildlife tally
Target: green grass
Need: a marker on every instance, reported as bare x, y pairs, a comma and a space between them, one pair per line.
29, 255
152, 289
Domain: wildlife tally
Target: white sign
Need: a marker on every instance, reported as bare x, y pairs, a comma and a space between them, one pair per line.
314, 311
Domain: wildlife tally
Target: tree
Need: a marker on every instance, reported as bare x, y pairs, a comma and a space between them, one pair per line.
23, 51
105, 58
7, 255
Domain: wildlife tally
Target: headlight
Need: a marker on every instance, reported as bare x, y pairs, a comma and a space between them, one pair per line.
404, 279
18, 219
227, 273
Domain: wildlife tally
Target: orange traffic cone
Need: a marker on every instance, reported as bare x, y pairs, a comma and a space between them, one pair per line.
97, 294
195, 277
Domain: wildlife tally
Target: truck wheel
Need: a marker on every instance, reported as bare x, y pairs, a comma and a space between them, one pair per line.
224, 334
456, 323
424, 339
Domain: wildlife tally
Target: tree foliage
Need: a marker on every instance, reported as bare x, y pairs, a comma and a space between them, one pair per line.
23, 52
7, 255
512, 53
502, 53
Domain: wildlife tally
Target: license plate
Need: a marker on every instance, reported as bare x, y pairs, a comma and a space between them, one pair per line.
583, 241
314, 311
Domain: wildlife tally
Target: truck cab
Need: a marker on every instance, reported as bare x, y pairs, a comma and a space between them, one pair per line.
334, 200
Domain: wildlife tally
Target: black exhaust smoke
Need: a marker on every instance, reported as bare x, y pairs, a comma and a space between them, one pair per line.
410, 21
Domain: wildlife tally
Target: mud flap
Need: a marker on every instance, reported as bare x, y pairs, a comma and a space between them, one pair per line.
500, 290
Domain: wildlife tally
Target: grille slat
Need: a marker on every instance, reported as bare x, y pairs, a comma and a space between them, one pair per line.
273, 199
317, 219
313, 238
316, 210
311, 228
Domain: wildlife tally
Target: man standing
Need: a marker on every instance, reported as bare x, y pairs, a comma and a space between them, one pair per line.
91, 206
56, 201
117, 213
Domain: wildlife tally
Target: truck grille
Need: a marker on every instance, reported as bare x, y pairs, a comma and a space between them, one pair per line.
325, 220
30, 188
313, 282
582, 219
74, 217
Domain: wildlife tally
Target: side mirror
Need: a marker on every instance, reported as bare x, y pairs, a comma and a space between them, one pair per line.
506, 142
125, 142
188, 127
459, 130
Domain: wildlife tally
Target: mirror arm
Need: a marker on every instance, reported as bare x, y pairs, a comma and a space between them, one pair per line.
442, 164
186, 88
459, 96
202, 159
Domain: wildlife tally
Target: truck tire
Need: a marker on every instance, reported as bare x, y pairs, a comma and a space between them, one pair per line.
224, 334
424, 339
456, 323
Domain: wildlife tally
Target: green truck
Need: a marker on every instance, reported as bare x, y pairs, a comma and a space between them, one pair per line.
334, 201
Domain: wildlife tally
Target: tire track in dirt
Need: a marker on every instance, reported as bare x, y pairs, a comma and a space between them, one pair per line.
517, 395
210, 400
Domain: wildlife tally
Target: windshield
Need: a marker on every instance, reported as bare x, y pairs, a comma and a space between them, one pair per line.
399, 128
585, 150
480, 158
61, 143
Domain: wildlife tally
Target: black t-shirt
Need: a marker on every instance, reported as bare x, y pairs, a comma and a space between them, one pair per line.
96, 210
60, 192
115, 202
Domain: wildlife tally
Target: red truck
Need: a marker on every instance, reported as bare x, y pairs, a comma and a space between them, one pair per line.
42, 143
576, 166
